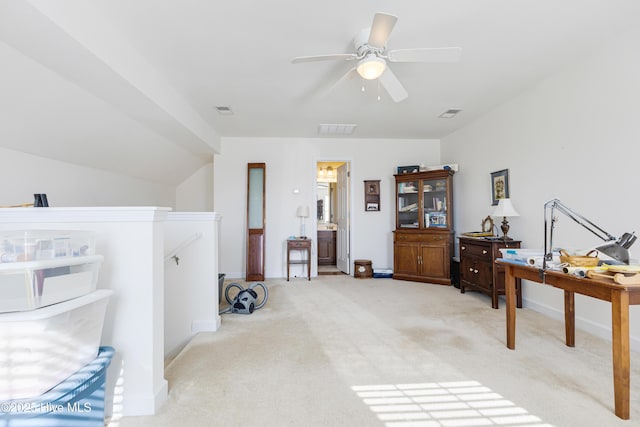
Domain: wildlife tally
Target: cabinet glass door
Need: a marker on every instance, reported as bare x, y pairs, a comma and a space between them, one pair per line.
435, 203
408, 216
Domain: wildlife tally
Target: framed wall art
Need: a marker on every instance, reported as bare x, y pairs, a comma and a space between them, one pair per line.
499, 186
372, 195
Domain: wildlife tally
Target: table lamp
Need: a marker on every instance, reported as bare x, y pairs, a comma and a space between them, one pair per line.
505, 209
302, 212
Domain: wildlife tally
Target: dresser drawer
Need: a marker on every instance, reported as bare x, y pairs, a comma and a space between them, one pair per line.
299, 243
477, 250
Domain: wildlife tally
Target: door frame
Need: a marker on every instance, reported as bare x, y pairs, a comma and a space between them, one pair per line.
350, 213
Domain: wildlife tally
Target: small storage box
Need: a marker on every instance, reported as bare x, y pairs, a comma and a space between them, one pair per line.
40, 348
31, 245
382, 273
362, 269
34, 284
76, 401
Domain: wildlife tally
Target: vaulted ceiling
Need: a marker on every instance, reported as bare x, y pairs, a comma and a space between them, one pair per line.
132, 86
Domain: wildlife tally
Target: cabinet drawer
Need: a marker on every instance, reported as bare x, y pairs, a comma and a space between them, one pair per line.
422, 238
299, 244
480, 251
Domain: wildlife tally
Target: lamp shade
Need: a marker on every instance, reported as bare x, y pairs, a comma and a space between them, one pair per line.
371, 67
303, 211
504, 209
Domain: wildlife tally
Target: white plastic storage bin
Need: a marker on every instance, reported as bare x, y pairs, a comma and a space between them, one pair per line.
34, 284
30, 245
41, 348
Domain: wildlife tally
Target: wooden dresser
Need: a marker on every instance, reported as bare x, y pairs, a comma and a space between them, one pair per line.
478, 270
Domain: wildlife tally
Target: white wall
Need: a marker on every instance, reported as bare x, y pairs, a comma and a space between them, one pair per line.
66, 184
291, 164
195, 194
575, 136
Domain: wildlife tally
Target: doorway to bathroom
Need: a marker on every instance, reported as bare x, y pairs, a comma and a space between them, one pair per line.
333, 217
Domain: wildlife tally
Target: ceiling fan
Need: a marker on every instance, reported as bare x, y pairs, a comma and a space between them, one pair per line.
372, 56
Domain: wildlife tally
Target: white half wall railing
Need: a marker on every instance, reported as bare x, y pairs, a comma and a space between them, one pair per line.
190, 287
183, 245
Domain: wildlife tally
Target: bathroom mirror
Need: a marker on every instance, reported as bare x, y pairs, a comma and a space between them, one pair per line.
326, 202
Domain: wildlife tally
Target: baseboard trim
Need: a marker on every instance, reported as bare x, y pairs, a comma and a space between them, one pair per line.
581, 323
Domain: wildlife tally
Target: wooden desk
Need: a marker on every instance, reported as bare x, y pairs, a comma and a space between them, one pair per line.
620, 296
299, 245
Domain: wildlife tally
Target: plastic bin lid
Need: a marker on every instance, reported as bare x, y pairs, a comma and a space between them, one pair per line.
75, 384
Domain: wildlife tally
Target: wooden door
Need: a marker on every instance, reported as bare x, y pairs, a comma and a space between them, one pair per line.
343, 239
255, 221
432, 260
406, 259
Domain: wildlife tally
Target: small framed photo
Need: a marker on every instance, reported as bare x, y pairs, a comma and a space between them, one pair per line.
499, 186
408, 169
373, 188
373, 207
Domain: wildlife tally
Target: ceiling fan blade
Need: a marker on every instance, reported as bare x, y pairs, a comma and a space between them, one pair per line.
392, 85
337, 56
428, 54
381, 29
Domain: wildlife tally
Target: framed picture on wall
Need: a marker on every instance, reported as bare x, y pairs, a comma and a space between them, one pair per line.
373, 187
372, 195
499, 186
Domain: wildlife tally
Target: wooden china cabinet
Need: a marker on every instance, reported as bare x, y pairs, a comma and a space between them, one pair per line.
423, 238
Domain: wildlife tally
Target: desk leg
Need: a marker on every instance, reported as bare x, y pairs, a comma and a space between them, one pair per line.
309, 264
288, 264
510, 291
569, 319
620, 347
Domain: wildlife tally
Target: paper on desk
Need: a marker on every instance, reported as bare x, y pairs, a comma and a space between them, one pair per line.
538, 261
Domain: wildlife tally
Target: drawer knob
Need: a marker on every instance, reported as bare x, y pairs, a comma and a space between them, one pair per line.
463, 248
475, 271
484, 252
470, 268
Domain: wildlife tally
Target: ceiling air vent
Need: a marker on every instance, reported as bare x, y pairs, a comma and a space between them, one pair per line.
449, 114
224, 110
336, 129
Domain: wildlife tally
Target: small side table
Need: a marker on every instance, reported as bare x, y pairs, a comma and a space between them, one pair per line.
299, 245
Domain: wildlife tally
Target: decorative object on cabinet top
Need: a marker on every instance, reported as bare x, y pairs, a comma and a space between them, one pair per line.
487, 229
408, 169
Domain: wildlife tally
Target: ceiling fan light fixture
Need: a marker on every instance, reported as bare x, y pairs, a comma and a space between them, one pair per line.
371, 67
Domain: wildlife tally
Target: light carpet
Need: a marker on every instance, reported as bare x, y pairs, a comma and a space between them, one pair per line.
339, 351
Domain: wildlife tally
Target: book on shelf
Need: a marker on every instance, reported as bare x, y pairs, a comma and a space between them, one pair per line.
409, 208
